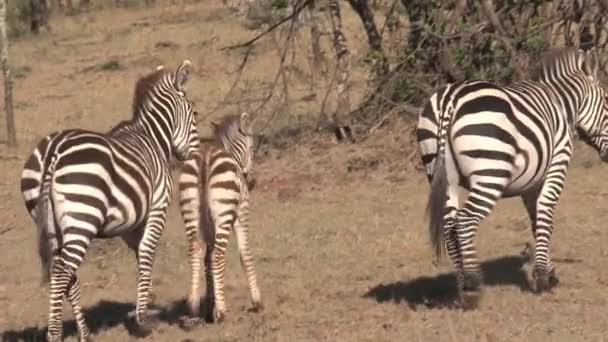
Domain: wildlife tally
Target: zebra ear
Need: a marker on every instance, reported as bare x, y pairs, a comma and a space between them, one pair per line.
182, 75
245, 124
591, 63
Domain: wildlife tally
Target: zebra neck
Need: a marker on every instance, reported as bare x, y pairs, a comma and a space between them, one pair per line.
157, 132
569, 102
238, 157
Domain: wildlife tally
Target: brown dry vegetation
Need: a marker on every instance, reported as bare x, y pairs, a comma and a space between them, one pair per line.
338, 231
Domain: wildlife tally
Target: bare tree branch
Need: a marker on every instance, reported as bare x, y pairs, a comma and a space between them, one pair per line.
297, 9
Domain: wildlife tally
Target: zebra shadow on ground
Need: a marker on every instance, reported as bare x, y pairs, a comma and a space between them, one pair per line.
101, 316
441, 292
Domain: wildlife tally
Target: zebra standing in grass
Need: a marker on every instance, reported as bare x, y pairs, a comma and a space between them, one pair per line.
214, 199
79, 184
517, 140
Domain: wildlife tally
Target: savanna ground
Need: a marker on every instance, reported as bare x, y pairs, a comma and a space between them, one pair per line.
338, 231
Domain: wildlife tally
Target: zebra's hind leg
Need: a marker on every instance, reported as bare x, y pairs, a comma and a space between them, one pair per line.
449, 233
218, 263
209, 304
541, 205
241, 228
73, 296
480, 201
64, 282
451, 242
146, 251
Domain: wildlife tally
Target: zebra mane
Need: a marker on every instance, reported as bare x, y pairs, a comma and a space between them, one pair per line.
144, 87
560, 61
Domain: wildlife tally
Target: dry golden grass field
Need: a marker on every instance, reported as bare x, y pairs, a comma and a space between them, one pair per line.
338, 231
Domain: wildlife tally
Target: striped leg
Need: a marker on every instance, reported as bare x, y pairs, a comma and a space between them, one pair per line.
195, 255
145, 261
73, 296
544, 271
210, 291
64, 282
241, 228
480, 201
223, 225
450, 236
189, 203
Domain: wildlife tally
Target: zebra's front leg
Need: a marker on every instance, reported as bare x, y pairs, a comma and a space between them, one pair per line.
145, 261
241, 228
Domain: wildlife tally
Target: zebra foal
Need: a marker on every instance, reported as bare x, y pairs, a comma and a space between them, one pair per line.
78, 185
214, 198
495, 141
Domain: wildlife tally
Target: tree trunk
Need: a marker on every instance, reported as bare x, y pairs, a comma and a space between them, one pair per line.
343, 73
8, 84
315, 38
374, 39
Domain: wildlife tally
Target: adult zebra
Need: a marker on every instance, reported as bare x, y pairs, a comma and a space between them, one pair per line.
214, 198
79, 184
516, 140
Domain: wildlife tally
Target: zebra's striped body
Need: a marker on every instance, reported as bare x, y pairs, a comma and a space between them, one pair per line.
79, 184
492, 142
214, 199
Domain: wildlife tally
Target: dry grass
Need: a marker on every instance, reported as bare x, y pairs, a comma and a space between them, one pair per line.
338, 231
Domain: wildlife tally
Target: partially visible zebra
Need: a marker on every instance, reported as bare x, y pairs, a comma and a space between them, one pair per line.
214, 198
516, 140
79, 184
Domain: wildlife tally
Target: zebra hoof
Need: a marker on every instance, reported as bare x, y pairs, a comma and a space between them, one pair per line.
55, 338
189, 323
469, 300
219, 315
472, 282
257, 307
544, 281
87, 338
143, 329
208, 310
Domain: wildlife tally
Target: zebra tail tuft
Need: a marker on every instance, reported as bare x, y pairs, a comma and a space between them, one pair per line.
45, 224
436, 205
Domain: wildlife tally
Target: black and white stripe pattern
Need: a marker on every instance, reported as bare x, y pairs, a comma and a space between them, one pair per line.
79, 184
491, 142
214, 199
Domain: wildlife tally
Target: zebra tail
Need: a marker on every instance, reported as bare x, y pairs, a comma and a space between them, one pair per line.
46, 225
439, 185
436, 205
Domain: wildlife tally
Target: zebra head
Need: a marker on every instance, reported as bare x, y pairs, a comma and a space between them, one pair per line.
185, 139
236, 135
592, 121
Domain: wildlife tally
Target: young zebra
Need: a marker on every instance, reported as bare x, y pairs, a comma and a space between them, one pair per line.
79, 184
214, 199
494, 142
